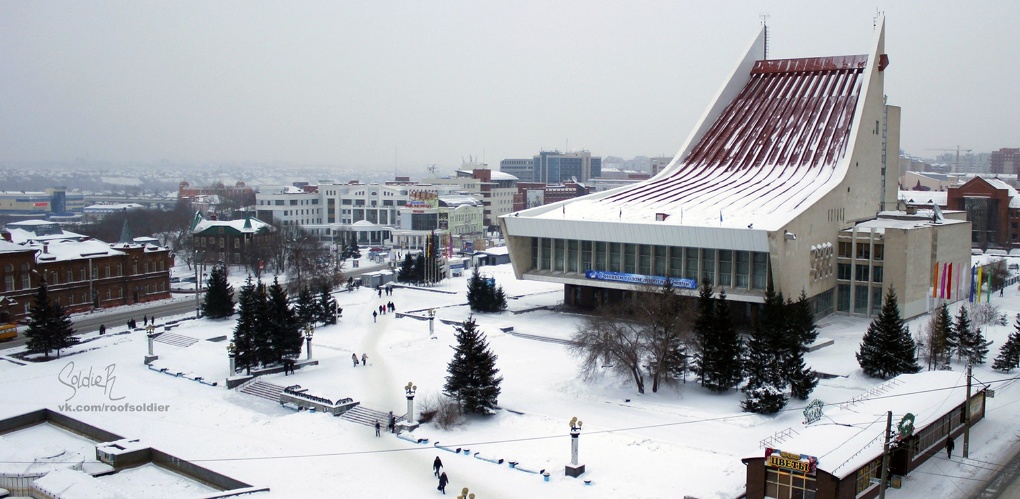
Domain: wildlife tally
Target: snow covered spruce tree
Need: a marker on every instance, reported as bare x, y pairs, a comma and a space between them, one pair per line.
887, 349
326, 311
282, 328
1009, 355
483, 297
352, 250
473, 379
802, 333
49, 327
766, 386
250, 326
719, 350
306, 308
961, 334
219, 296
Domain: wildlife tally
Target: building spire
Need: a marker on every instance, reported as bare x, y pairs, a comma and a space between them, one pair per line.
125, 231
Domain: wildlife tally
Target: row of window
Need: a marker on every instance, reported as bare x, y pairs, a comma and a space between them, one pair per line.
53, 277
859, 299
83, 298
727, 268
210, 242
863, 250
860, 272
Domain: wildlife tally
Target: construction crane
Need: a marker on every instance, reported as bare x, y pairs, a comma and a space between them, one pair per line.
956, 167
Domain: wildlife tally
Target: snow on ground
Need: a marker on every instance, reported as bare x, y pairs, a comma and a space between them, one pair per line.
679, 441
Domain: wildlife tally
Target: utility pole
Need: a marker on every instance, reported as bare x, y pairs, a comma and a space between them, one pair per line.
966, 417
885, 455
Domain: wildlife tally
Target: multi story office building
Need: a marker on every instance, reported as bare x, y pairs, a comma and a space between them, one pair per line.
523, 169
554, 167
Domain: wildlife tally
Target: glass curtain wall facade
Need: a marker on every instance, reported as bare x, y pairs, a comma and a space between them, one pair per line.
727, 268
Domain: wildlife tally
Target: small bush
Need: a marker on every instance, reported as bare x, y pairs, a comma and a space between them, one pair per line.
984, 313
440, 410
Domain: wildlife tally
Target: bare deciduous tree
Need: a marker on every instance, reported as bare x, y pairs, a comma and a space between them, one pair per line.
604, 340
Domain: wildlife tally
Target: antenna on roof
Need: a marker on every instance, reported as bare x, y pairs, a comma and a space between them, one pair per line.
765, 24
874, 20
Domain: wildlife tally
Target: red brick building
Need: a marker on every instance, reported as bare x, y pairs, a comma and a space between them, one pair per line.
993, 209
1005, 160
81, 275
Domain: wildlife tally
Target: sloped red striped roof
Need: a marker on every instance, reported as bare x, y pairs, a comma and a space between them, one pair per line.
785, 131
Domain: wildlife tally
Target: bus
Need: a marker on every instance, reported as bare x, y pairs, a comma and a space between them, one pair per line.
8, 332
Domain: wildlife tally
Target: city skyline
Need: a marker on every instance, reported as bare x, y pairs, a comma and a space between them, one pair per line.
396, 85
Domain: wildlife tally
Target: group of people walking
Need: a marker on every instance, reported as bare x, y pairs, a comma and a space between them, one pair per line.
364, 359
437, 470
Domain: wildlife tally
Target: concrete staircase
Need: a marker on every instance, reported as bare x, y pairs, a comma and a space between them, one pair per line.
264, 390
368, 417
177, 340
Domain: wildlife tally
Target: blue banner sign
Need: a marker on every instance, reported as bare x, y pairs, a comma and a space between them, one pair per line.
654, 280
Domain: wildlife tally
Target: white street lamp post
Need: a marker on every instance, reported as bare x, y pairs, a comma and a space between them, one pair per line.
309, 330
573, 469
432, 319
409, 392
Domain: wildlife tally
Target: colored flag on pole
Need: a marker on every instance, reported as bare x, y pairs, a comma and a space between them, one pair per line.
949, 283
935, 281
979, 284
973, 272
942, 284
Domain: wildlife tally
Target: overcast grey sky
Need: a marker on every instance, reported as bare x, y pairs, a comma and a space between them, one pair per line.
373, 83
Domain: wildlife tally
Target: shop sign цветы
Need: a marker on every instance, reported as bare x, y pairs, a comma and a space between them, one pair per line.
803, 463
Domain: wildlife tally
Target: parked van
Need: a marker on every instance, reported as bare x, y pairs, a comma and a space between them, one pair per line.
8, 332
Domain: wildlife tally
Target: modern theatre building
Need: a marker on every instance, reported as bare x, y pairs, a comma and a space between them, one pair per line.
789, 178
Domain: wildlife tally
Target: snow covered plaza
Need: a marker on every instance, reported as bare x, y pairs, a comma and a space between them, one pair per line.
776, 208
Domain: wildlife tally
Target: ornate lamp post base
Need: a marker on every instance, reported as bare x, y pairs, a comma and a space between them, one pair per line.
574, 470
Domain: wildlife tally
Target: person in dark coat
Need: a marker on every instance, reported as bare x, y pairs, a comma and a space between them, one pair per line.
949, 447
442, 483
354, 357
374, 315
436, 466
102, 329
377, 427
392, 425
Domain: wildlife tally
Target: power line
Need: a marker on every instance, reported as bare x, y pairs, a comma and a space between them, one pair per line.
545, 437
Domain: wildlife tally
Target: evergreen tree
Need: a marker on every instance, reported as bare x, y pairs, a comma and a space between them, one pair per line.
803, 332
887, 349
327, 307
945, 337
977, 348
406, 271
352, 247
49, 327
307, 308
1009, 354
766, 383
284, 332
802, 321
729, 348
961, 335
705, 335
473, 379
249, 323
483, 297
419, 269
219, 296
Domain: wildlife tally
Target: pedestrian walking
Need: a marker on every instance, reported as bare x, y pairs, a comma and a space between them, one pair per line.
145, 320
102, 329
377, 427
380, 292
949, 447
436, 466
354, 357
374, 315
392, 424
442, 483
364, 359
